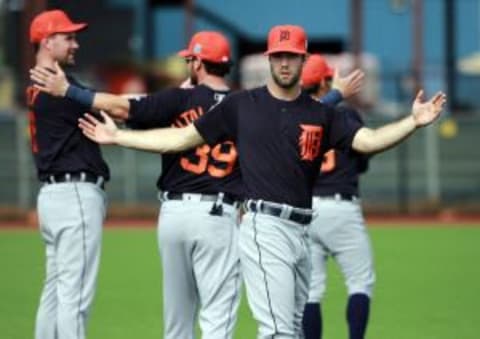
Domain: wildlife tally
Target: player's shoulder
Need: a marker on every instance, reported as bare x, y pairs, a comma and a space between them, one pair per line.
244, 93
205, 90
316, 106
349, 111
72, 79
170, 94
236, 96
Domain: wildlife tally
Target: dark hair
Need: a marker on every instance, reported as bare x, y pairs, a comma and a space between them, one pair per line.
216, 68
36, 47
313, 89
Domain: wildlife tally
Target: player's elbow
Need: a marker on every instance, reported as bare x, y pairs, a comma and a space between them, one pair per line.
364, 141
119, 113
184, 139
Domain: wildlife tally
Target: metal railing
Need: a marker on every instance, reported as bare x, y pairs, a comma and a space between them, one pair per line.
439, 165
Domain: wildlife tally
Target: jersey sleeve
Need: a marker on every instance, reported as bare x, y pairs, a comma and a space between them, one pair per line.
343, 127
156, 110
220, 122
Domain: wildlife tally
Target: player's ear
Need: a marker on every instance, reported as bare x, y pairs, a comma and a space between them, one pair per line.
47, 42
197, 64
323, 84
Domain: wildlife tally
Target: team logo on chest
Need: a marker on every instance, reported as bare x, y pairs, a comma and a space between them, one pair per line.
310, 141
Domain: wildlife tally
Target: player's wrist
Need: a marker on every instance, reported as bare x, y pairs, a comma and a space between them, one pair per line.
81, 95
411, 120
333, 97
118, 137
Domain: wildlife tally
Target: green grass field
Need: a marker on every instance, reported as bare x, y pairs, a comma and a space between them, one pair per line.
428, 286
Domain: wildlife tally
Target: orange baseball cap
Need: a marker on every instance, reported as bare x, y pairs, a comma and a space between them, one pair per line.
287, 38
51, 22
315, 70
209, 46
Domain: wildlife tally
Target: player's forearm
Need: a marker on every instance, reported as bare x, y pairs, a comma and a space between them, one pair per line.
162, 140
368, 140
115, 105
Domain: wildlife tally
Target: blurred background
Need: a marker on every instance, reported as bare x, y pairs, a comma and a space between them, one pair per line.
403, 45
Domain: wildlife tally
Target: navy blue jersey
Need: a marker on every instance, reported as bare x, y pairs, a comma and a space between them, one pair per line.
205, 169
280, 143
58, 145
341, 168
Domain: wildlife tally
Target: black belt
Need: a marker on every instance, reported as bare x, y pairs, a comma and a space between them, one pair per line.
277, 211
226, 199
338, 196
75, 177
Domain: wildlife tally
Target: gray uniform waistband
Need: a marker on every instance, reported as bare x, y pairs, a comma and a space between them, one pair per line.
301, 216
75, 177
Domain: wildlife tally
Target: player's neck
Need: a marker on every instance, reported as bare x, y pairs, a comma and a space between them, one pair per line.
287, 94
44, 60
215, 83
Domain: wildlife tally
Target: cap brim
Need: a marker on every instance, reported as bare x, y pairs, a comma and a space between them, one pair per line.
285, 50
185, 53
72, 28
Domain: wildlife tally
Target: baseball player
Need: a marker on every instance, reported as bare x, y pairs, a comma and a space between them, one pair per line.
199, 193
71, 202
338, 229
281, 135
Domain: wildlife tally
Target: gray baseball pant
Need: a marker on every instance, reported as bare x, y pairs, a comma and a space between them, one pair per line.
338, 230
201, 268
71, 216
276, 268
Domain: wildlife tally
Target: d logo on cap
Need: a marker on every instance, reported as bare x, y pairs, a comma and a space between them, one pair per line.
284, 35
287, 38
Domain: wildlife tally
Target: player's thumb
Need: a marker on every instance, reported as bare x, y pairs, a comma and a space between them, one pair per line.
106, 118
336, 73
419, 96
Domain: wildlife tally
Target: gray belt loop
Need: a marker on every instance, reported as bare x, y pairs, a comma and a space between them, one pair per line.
52, 179
286, 211
164, 196
259, 205
100, 181
220, 198
68, 177
83, 176
246, 205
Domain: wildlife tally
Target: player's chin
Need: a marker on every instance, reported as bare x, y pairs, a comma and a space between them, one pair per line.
69, 60
287, 83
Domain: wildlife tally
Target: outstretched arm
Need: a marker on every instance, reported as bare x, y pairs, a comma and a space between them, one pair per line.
56, 84
162, 140
368, 140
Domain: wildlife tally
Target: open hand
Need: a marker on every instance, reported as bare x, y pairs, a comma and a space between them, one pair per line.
54, 83
350, 84
425, 112
100, 132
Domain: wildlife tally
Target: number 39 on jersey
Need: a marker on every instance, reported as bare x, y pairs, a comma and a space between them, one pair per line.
217, 161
